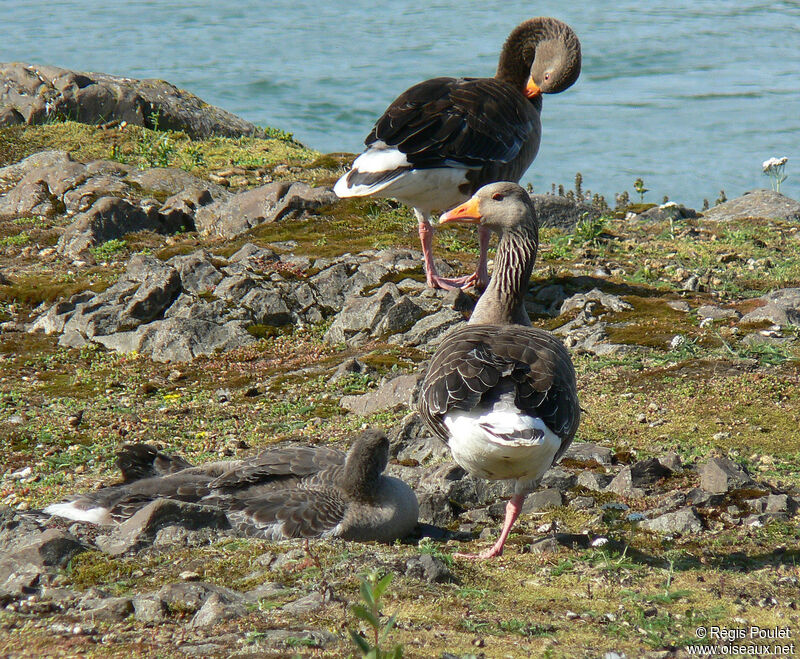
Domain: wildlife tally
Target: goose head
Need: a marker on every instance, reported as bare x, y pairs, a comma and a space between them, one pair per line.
541, 56
365, 462
502, 207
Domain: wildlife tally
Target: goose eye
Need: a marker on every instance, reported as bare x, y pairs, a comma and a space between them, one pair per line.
547, 76
497, 196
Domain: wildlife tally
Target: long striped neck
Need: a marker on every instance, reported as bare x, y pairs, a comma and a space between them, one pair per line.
502, 303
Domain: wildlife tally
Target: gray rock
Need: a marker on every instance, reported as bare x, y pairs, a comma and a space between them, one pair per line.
427, 567
757, 204
682, 521
713, 312
559, 479
557, 211
149, 608
630, 481
140, 295
307, 604
666, 212
582, 503
189, 596
264, 591
38, 94
392, 394
587, 452
140, 529
42, 548
400, 317
609, 301
671, 461
197, 271
110, 218
435, 508
781, 307
267, 307
180, 339
216, 610
107, 609
779, 503
623, 484
270, 203
253, 256
593, 481
542, 500
430, 330
361, 315
27, 198
720, 475
679, 305
424, 449
18, 578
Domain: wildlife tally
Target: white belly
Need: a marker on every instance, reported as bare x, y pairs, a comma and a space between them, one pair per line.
483, 454
429, 189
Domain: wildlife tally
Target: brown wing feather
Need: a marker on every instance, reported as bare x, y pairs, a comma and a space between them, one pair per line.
473, 359
293, 462
472, 121
298, 513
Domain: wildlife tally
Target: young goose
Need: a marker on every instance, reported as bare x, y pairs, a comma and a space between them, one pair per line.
501, 393
292, 492
444, 138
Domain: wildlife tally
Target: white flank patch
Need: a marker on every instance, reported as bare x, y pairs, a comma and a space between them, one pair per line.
424, 189
70, 511
475, 446
380, 158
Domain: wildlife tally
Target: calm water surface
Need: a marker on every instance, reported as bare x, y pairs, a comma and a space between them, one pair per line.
690, 95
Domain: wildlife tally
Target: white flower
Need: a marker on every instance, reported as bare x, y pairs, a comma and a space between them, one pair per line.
773, 163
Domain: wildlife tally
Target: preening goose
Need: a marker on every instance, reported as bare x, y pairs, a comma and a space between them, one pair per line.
444, 138
501, 393
291, 492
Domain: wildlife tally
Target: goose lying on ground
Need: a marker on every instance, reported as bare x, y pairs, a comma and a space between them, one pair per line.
501, 393
444, 138
291, 492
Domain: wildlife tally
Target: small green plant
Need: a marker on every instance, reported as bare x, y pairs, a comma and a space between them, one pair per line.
372, 589
277, 134
108, 249
589, 229
17, 240
774, 169
195, 155
638, 185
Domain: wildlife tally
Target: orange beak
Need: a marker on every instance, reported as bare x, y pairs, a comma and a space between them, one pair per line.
532, 90
467, 213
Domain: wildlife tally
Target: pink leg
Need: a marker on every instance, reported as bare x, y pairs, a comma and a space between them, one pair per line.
432, 277
513, 509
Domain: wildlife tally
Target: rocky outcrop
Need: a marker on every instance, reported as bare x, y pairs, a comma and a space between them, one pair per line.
561, 212
32, 94
107, 199
199, 304
233, 216
758, 204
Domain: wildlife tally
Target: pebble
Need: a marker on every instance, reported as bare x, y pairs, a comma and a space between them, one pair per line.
21, 473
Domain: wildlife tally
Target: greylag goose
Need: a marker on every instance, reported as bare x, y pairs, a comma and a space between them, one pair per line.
290, 492
501, 393
444, 138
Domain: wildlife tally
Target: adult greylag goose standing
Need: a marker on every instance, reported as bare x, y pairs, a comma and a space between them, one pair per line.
290, 492
501, 393
444, 138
